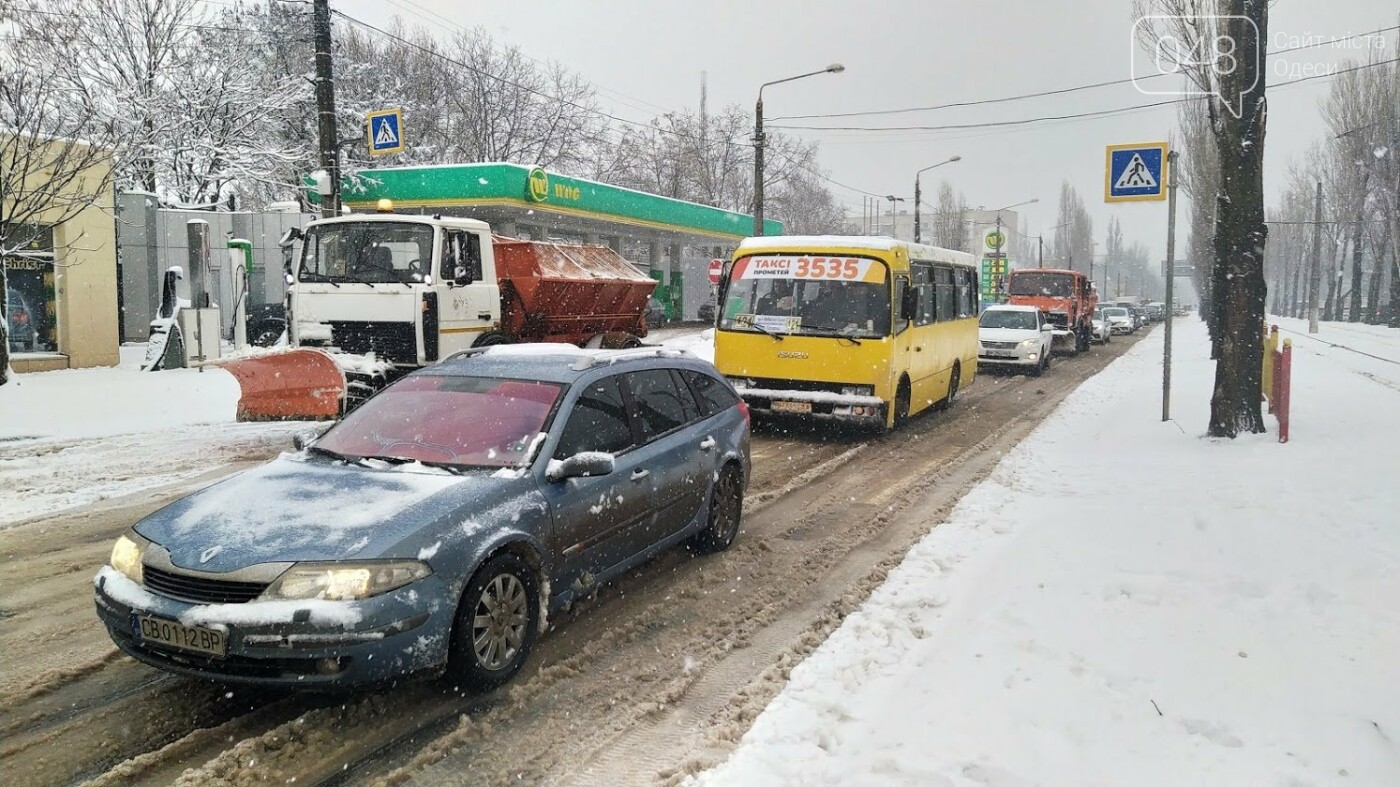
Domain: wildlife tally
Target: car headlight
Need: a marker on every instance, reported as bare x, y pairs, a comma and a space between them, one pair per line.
345, 581
857, 390
1030, 342
126, 558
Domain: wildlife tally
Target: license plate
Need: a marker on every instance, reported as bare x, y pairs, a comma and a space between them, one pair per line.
792, 407
192, 638
1000, 354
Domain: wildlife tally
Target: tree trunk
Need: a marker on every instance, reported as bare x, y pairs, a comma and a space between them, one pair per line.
1357, 235
1373, 296
1239, 289
4, 325
1328, 313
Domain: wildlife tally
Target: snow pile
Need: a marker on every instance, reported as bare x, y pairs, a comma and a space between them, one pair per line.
1173, 610
701, 344
80, 403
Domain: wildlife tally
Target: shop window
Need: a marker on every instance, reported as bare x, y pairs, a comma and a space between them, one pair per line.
29, 270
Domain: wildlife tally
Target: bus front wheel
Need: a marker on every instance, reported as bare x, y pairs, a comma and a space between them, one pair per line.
902, 397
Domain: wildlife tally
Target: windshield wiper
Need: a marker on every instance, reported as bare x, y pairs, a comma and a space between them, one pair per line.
399, 460
841, 333
316, 449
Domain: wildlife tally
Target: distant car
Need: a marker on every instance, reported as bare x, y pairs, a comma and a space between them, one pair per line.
707, 312
1103, 334
266, 323
1015, 336
24, 338
1120, 320
435, 527
656, 313
1157, 312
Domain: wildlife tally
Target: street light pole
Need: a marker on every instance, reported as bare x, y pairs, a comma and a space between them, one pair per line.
894, 214
759, 141
918, 195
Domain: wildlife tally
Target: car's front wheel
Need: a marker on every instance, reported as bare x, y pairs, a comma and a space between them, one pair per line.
726, 509
497, 622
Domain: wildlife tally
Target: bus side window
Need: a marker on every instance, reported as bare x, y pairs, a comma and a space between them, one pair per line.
965, 289
922, 282
945, 297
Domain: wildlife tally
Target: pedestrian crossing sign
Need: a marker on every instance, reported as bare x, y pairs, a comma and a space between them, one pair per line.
385, 131
1136, 173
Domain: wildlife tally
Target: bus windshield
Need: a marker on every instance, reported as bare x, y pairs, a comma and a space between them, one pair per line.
368, 252
813, 296
1034, 283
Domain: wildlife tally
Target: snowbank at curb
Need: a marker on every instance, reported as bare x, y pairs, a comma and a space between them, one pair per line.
1124, 601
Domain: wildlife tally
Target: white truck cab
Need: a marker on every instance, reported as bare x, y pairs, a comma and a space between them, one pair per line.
411, 289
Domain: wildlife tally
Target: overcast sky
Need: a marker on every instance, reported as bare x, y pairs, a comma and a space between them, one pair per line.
647, 56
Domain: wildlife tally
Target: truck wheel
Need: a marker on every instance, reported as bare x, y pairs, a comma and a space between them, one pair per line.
493, 338
497, 623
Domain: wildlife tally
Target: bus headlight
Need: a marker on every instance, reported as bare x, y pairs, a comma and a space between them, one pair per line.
857, 390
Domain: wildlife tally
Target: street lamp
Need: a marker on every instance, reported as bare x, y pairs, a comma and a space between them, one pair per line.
918, 237
758, 141
1009, 207
893, 213
1040, 239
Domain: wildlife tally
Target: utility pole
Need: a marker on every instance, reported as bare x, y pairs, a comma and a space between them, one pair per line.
1040, 251
1315, 274
325, 106
918, 195
1171, 275
758, 166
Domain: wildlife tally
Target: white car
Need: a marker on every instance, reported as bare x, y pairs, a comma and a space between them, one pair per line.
1103, 333
1120, 320
1015, 336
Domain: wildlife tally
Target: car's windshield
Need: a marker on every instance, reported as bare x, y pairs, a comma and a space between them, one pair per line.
808, 295
1008, 318
1117, 312
463, 421
1054, 285
375, 252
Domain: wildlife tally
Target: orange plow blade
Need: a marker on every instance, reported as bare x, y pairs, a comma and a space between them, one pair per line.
300, 384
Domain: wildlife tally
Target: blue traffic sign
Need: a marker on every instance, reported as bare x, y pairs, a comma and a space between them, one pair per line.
1136, 173
385, 131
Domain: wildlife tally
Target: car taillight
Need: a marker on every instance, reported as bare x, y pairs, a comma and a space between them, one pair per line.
744, 410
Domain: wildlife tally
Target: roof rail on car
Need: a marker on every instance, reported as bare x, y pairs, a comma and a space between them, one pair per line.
467, 353
601, 357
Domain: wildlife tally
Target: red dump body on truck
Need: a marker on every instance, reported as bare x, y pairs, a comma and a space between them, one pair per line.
565, 293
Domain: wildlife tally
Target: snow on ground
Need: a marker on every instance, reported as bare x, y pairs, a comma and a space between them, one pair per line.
1124, 601
74, 437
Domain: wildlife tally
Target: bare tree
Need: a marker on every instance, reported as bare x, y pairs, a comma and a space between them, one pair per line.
950, 222
1237, 119
55, 158
1074, 235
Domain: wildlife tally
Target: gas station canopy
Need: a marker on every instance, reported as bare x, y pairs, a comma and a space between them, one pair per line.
510, 196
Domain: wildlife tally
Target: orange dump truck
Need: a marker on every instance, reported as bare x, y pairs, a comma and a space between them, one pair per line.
1067, 297
376, 296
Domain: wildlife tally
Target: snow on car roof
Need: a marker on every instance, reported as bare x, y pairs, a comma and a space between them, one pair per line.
1010, 307
547, 361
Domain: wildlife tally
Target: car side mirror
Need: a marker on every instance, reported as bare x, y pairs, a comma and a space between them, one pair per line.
585, 464
1047, 327
461, 276
909, 306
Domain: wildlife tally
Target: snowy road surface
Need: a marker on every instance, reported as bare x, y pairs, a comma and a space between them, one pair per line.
656, 678
1164, 609
79, 436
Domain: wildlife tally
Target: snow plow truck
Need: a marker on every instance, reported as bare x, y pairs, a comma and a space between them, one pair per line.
1067, 297
375, 296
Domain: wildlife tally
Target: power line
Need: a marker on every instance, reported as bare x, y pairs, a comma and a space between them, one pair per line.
1073, 116
1044, 93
